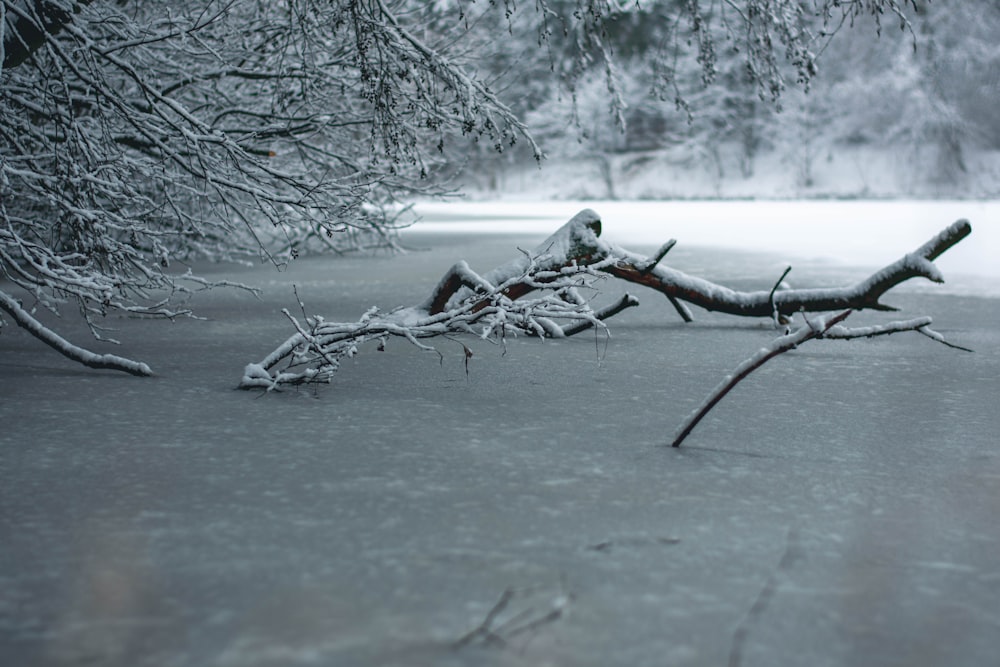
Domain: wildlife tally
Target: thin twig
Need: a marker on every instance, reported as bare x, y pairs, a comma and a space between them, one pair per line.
495, 630
485, 628
764, 598
657, 257
775, 315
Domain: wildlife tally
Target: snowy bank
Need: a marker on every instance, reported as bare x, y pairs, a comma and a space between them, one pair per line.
841, 173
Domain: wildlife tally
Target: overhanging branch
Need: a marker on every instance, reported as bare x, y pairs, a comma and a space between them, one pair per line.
64, 347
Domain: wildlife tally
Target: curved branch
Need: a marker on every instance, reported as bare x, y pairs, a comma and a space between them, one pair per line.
765, 354
67, 349
827, 327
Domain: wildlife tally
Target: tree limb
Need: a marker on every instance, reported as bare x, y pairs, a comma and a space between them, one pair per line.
861, 295
578, 243
823, 327
765, 354
64, 347
494, 303
488, 305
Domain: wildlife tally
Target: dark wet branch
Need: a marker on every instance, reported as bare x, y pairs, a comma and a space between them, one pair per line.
828, 327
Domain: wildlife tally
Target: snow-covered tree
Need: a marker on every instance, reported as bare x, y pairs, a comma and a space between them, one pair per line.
711, 86
136, 135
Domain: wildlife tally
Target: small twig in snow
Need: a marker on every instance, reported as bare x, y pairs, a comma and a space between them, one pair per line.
657, 257
495, 630
485, 629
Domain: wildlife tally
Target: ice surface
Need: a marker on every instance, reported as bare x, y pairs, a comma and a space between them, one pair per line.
174, 521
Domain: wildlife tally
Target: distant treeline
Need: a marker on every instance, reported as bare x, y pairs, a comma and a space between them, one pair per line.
927, 91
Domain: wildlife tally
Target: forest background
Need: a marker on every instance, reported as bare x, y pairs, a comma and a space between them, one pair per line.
909, 114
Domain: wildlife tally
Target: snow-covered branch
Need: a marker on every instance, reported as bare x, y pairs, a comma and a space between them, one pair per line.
825, 326
64, 347
496, 303
864, 294
490, 306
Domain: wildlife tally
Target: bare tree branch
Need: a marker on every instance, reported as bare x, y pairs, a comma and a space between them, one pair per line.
64, 347
861, 295
822, 327
495, 303
765, 354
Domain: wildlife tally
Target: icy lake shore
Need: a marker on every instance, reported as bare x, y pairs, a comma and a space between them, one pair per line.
839, 509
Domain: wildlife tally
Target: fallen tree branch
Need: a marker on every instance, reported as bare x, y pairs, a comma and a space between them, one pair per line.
578, 243
821, 327
571, 245
493, 304
864, 294
489, 306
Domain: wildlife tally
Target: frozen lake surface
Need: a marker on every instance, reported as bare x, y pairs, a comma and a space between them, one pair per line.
838, 509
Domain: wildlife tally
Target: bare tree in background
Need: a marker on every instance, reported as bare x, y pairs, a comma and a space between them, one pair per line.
136, 135
699, 83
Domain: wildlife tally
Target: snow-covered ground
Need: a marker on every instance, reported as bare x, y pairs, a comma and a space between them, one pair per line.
839, 508
799, 171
